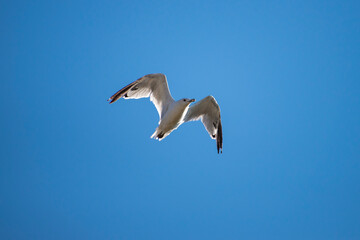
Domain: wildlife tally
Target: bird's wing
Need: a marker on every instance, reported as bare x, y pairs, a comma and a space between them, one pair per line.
152, 85
208, 111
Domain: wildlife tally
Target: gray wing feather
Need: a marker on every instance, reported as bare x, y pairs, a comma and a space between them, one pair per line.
208, 111
152, 85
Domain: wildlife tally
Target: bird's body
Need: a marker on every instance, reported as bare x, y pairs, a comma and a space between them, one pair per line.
173, 113
172, 119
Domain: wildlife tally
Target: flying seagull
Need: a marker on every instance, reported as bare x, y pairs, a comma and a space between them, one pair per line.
173, 113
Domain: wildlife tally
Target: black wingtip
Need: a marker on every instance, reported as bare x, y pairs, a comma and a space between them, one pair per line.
122, 92
219, 138
111, 100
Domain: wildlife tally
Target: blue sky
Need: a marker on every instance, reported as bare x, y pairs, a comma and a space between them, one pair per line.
285, 74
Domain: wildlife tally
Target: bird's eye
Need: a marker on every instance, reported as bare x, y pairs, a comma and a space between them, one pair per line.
184, 100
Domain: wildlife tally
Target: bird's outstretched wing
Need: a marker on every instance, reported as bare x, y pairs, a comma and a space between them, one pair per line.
152, 85
208, 111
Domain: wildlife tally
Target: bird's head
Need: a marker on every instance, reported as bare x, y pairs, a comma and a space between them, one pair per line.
186, 101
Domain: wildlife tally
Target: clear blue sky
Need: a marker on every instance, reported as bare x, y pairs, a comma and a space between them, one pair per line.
286, 75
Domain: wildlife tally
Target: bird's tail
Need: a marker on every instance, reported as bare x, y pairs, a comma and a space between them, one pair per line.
159, 135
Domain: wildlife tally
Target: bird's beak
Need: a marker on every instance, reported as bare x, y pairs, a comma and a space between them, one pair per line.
192, 100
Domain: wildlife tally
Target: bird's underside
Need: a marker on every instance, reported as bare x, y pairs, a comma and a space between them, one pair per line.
173, 113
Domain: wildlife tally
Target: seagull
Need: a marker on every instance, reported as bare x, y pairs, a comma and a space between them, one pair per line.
173, 113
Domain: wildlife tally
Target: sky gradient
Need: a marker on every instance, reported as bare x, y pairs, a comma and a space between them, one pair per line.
286, 75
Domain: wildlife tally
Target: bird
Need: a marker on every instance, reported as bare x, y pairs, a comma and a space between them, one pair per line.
173, 113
